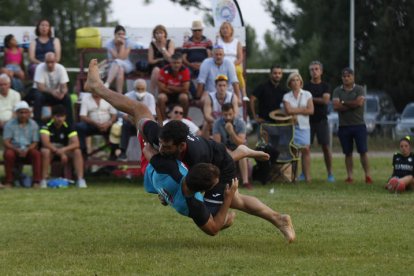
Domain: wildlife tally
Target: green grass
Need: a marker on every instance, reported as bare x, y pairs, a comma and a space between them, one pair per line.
115, 228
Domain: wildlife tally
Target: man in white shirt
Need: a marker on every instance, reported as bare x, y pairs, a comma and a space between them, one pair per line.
50, 87
177, 113
8, 99
96, 117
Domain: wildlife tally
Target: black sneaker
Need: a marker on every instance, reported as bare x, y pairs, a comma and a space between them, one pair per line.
122, 157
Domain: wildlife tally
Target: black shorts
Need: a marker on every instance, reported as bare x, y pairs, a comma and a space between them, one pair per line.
347, 135
222, 159
321, 130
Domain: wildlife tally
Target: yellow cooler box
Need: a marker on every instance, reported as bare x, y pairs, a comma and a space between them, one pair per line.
88, 38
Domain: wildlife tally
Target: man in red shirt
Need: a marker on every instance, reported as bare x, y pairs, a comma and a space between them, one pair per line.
174, 85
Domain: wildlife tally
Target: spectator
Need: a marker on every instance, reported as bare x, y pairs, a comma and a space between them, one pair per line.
118, 56
43, 44
60, 140
51, 88
234, 52
160, 51
21, 138
348, 100
128, 129
8, 99
214, 102
96, 117
212, 67
174, 85
177, 113
299, 103
269, 96
196, 49
13, 62
231, 131
319, 120
403, 168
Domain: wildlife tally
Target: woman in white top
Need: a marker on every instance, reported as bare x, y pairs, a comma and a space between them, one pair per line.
299, 104
234, 52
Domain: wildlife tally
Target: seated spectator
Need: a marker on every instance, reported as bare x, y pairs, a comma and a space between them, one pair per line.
96, 118
160, 51
21, 138
43, 44
174, 85
118, 56
214, 102
176, 112
196, 49
403, 165
231, 131
234, 52
299, 103
13, 62
59, 140
212, 67
8, 99
128, 129
50, 88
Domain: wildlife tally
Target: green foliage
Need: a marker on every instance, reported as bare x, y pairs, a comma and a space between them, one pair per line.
66, 17
115, 228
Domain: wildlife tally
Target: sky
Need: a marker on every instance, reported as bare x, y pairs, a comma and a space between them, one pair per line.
133, 13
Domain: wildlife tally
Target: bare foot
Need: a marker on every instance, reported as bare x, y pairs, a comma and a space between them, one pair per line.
286, 227
93, 81
248, 152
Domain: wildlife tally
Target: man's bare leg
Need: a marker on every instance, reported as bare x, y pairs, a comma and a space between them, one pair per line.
95, 85
255, 207
243, 151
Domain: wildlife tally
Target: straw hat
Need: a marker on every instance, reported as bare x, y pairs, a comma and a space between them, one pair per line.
197, 25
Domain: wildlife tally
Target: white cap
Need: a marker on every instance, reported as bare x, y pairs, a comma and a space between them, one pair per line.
21, 105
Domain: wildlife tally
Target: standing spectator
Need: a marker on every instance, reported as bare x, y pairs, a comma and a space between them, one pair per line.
96, 117
319, 120
174, 84
269, 96
196, 49
43, 44
8, 99
13, 62
118, 56
231, 131
51, 87
234, 52
177, 113
348, 100
128, 129
298, 103
214, 102
212, 67
60, 140
160, 51
403, 168
21, 138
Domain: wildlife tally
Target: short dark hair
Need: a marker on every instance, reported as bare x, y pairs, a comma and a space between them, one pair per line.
172, 106
226, 107
37, 31
347, 70
58, 110
201, 177
175, 131
7, 39
176, 56
275, 66
119, 28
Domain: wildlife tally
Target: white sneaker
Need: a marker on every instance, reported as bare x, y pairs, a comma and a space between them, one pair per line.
81, 183
43, 183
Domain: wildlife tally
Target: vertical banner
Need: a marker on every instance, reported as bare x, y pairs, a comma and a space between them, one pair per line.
226, 10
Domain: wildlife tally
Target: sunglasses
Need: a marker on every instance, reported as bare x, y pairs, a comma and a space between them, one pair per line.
178, 112
197, 30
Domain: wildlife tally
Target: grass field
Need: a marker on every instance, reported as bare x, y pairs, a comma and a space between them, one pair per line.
115, 228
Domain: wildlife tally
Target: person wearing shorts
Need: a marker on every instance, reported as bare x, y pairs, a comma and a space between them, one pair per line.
319, 119
348, 100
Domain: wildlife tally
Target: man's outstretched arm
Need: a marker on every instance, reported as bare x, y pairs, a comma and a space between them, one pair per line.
122, 103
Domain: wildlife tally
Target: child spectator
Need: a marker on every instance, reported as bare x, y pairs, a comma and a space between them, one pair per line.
13, 62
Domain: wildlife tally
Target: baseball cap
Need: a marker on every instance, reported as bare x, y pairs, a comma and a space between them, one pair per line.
347, 70
21, 105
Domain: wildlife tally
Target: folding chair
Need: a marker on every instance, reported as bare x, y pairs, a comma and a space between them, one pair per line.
277, 140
